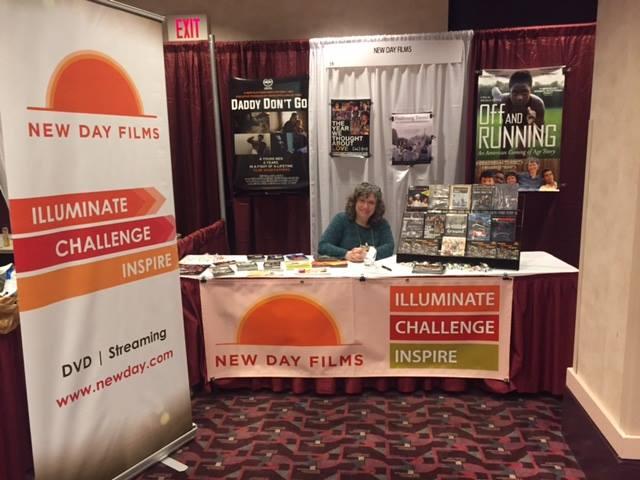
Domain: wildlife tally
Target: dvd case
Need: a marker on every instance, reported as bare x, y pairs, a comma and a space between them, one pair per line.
460, 197
482, 197
453, 246
455, 225
434, 225
439, 197
505, 197
503, 228
479, 226
418, 198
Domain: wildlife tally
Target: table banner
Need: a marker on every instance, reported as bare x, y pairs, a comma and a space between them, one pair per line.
86, 144
455, 327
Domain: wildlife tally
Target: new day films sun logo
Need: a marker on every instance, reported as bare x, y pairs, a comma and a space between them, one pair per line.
289, 320
92, 82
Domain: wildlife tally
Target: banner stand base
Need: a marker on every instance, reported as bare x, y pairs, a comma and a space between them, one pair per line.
158, 455
175, 465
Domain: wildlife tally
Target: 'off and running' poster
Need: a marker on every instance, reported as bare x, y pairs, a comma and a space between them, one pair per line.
270, 137
86, 145
519, 126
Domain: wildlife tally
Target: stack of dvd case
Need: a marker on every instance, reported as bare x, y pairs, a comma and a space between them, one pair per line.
461, 223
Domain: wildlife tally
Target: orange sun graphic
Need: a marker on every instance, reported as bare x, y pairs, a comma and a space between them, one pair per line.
92, 82
291, 320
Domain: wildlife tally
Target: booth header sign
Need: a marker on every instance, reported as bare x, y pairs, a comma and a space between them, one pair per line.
187, 28
393, 53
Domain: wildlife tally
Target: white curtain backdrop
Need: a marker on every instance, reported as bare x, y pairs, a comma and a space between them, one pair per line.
403, 88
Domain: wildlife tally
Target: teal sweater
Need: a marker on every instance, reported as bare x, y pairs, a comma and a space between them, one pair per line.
343, 234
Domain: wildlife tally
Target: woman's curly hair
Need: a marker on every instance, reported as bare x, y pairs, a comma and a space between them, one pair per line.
363, 190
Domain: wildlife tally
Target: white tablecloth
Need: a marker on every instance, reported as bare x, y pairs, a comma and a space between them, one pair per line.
531, 263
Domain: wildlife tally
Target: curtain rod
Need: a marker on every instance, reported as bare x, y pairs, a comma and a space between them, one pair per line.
130, 9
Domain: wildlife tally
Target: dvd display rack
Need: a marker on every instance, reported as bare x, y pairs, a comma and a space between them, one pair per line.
462, 224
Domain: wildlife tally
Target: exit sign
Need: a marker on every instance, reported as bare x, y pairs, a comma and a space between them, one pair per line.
182, 28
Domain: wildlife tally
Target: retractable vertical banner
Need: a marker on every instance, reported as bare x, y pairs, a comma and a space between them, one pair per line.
86, 145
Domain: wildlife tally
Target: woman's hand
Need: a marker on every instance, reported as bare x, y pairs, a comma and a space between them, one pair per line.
356, 255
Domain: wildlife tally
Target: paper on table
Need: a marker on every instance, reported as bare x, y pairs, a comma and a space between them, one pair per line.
206, 259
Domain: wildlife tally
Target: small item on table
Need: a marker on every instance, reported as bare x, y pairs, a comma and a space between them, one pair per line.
298, 265
192, 269
428, 267
272, 265
370, 256
223, 263
324, 261
220, 271
296, 257
246, 266
467, 267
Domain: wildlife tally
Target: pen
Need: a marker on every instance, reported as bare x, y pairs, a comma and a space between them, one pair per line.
387, 268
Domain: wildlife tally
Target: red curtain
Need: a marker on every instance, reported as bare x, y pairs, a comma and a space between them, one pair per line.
15, 438
191, 126
552, 222
274, 223
4, 214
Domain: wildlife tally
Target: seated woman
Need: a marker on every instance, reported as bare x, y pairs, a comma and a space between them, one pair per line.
360, 225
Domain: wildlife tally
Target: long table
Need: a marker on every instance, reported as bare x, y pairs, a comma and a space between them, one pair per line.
543, 319
542, 333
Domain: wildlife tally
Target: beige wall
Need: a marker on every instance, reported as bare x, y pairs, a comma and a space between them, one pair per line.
606, 373
300, 19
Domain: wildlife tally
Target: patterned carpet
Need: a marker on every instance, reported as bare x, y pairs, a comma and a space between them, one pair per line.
264, 435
